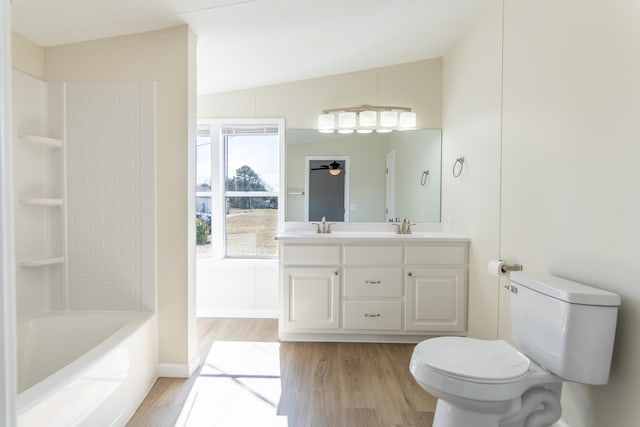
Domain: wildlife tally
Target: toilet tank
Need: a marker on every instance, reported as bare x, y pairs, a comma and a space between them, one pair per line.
565, 326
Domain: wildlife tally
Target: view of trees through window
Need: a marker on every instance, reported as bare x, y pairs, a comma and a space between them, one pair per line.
251, 180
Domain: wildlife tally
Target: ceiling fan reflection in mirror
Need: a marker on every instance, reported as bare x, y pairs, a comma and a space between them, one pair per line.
334, 168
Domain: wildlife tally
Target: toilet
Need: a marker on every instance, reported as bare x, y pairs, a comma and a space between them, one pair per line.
562, 331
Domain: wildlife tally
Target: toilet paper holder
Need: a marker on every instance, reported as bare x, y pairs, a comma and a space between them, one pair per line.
504, 267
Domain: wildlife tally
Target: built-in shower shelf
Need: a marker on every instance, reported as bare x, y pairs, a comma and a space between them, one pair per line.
42, 201
42, 141
41, 262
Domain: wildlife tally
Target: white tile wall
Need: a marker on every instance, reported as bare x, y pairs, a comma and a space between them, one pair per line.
110, 194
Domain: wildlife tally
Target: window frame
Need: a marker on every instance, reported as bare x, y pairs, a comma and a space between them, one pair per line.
218, 191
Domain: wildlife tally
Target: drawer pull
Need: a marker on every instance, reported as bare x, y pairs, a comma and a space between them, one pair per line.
372, 282
371, 315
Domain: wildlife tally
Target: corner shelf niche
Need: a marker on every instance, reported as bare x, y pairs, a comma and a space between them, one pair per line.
42, 201
41, 261
42, 141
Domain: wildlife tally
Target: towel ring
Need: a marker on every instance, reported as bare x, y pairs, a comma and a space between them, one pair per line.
424, 177
459, 161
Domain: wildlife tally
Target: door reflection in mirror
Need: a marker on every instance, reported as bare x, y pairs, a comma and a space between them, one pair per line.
326, 184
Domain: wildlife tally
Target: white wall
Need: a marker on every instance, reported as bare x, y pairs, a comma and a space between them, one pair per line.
237, 288
567, 203
471, 129
571, 141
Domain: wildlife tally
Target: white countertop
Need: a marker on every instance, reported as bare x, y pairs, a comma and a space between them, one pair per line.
387, 236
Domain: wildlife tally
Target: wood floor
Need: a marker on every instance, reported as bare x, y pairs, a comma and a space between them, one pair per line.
249, 379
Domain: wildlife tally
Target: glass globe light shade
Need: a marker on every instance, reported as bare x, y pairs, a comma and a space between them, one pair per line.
388, 119
407, 120
368, 119
326, 123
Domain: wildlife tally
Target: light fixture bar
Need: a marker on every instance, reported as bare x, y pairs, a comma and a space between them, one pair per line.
366, 118
366, 108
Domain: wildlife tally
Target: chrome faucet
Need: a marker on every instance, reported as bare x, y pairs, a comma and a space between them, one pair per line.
323, 227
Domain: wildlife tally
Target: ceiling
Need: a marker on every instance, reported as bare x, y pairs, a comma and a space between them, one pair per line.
251, 43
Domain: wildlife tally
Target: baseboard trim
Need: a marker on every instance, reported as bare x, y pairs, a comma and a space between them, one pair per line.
247, 314
179, 370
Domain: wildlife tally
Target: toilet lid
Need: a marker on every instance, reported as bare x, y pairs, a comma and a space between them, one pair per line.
472, 359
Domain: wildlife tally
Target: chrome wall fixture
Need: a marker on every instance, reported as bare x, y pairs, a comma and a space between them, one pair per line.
457, 167
366, 119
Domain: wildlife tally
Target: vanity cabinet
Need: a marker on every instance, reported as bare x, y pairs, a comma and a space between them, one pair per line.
311, 287
393, 290
312, 298
436, 299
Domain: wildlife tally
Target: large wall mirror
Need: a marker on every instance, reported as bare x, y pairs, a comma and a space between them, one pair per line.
374, 177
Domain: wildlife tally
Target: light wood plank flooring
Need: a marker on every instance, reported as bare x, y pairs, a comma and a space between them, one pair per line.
248, 379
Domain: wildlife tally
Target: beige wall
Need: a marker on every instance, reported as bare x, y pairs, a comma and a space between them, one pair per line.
27, 56
568, 201
417, 85
166, 58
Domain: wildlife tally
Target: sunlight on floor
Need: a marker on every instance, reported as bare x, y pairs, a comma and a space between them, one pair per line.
239, 385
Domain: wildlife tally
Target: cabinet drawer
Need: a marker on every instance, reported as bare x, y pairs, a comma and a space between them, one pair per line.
372, 255
373, 315
436, 255
372, 282
310, 255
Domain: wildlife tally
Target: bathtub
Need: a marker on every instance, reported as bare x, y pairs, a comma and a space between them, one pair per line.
84, 368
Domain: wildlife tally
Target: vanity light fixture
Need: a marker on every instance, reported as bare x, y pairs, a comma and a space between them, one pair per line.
366, 119
346, 122
326, 123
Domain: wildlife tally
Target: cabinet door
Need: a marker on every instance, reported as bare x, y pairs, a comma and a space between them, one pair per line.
311, 298
436, 299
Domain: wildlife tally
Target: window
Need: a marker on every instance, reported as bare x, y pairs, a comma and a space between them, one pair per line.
238, 200
203, 191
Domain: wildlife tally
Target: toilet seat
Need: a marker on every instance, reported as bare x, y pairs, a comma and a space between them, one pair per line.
481, 370
468, 359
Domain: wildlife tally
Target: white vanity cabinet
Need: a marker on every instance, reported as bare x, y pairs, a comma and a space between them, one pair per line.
391, 289
311, 287
312, 298
372, 287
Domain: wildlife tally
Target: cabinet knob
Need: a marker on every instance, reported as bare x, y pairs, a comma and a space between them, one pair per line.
409, 274
335, 273
372, 282
372, 315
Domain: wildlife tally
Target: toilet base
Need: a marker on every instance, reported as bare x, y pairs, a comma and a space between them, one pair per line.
448, 415
538, 406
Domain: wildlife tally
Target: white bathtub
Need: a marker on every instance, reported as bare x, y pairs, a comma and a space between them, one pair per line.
84, 368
